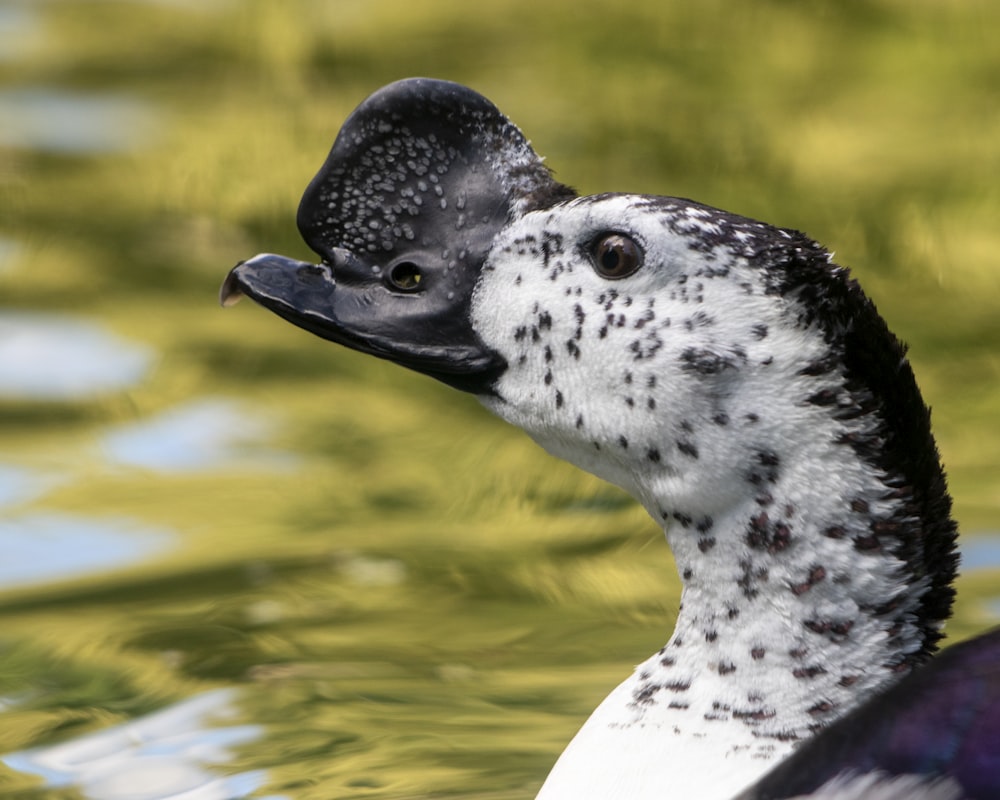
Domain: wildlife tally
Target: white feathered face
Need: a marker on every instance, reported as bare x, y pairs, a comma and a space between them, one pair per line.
640, 335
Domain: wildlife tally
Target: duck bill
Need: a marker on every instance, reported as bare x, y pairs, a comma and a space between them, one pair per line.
403, 214
345, 301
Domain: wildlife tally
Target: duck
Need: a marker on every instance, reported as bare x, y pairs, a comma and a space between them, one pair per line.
733, 379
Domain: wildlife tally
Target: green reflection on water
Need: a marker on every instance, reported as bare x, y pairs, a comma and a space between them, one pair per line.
424, 604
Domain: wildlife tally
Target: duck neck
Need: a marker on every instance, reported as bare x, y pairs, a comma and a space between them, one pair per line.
807, 580
789, 616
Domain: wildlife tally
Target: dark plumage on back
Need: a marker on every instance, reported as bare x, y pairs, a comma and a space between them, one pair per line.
942, 720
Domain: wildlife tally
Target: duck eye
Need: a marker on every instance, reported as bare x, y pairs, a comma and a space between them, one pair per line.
404, 277
615, 255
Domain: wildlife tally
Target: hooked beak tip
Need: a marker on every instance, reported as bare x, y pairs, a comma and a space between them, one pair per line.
230, 293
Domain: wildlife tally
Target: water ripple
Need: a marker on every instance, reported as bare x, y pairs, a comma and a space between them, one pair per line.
19, 32
980, 551
49, 357
9, 251
19, 485
40, 547
59, 121
200, 435
166, 755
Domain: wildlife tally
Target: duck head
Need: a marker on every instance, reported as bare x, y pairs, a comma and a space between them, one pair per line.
447, 247
421, 179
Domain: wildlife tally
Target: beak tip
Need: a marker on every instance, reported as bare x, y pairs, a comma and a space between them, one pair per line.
230, 293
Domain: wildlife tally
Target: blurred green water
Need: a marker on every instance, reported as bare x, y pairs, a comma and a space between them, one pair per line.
414, 599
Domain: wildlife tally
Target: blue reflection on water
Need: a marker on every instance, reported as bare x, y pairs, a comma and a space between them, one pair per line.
49, 357
167, 754
59, 121
981, 551
200, 435
20, 485
42, 547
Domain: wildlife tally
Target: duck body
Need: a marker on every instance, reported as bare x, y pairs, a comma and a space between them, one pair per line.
723, 371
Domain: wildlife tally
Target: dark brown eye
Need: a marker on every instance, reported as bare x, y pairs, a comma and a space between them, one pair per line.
405, 277
615, 255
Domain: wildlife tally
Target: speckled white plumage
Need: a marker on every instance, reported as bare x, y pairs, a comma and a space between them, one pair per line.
687, 385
